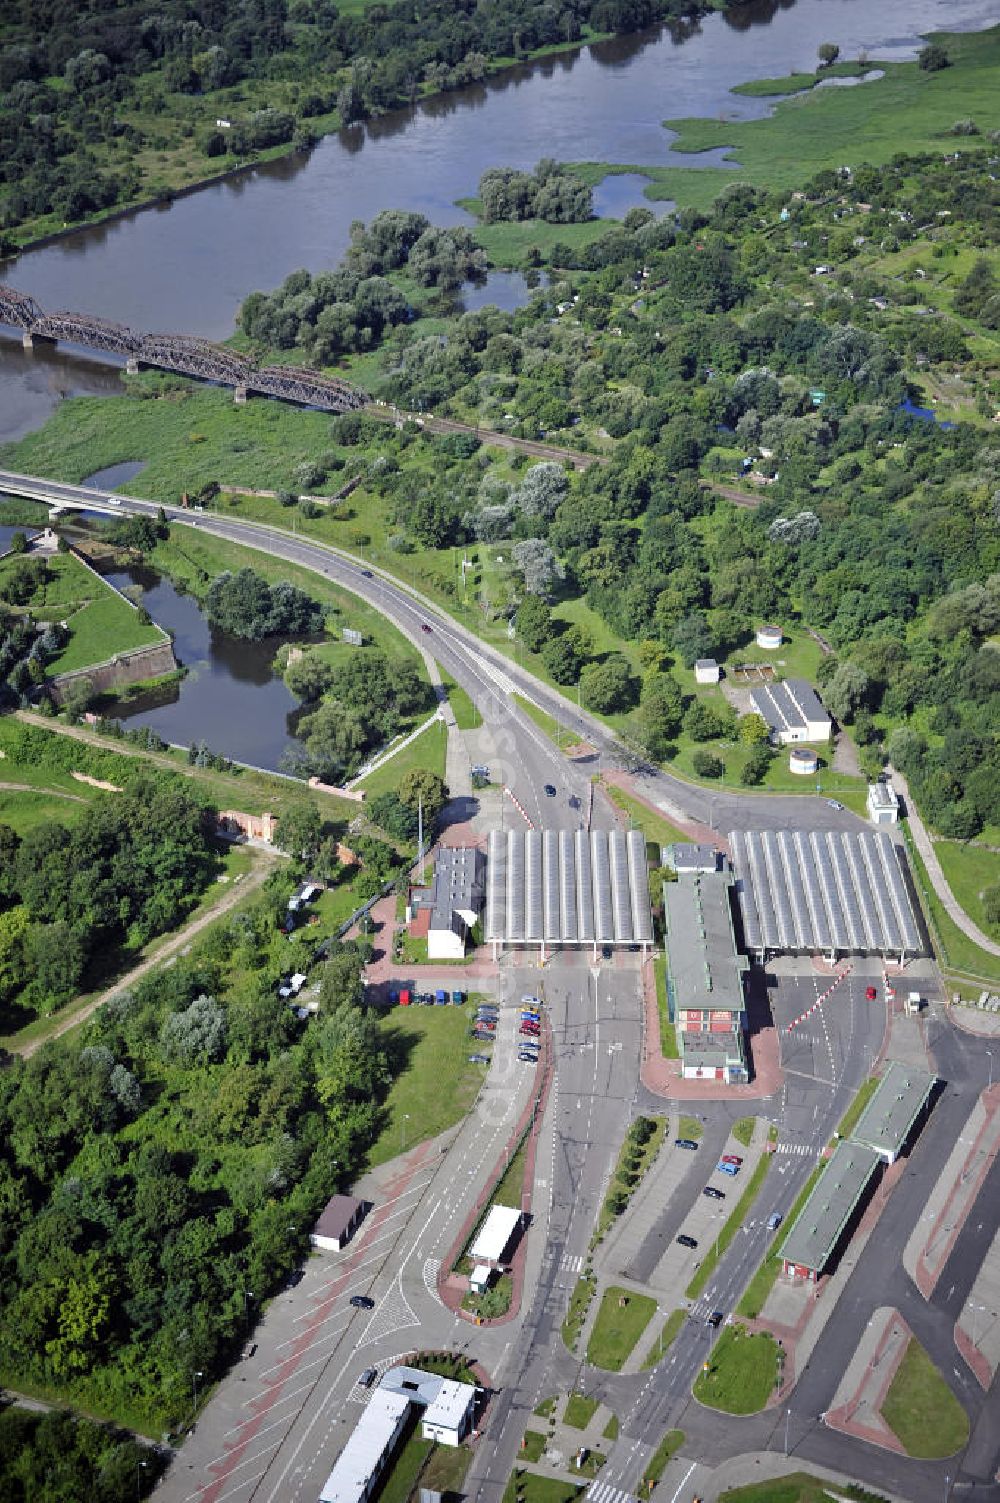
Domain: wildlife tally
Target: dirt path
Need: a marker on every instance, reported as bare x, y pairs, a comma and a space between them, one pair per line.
74, 798
738, 498
184, 936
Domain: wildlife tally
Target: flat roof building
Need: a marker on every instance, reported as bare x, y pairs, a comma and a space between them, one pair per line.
792, 711
824, 891
495, 1234
448, 1417
361, 1463
567, 887
706, 671
338, 1221
818, 1230
889, 1118
455, 900
704, 974
883, 803
684, 857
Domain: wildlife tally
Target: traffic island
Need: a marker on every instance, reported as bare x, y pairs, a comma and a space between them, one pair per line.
977, 1330
857, 1405
742, 1373
621, 1320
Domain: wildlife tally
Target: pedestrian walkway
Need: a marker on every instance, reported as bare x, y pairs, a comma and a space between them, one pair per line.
977, 1330
938, 880
603, 1492
957, 1188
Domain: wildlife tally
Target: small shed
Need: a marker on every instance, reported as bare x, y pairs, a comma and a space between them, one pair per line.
883, 803
495, 1235
479, 1278
769, 637
339, 1220
706, 671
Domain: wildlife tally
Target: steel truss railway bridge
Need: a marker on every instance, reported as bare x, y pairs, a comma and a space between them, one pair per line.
178, 352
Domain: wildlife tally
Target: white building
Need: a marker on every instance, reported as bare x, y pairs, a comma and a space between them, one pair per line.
448, 1417
769, 637
883, 803
369, 1446
706, 671
792, 711
495, 1235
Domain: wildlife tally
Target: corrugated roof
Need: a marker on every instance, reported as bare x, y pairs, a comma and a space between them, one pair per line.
563, 887
790, 705
819, 1226
704, 966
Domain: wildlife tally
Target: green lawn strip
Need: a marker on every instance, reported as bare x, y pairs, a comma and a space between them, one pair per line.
795, 83
796, 1487
955, 951
434, 1085
25, 811
545, 1408
864, 1094
662, 1344
728, 1232
742, 1130
105, 626
512, 243
579, 1303
618, 1327
690, 1127
467, 717
428, 750
908, 110
528, 1487
969, 869
653, 825
741, 1372
755, 1295
610, 1431
921, 1409
510, 1190
580, 1411
445, 1470
533, 1445
542, 719
668, 1033
664, 1453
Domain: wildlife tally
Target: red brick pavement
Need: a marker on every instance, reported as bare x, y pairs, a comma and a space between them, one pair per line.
324, 1305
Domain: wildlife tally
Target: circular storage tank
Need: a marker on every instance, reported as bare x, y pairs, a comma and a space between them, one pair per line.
802, 760
769, 636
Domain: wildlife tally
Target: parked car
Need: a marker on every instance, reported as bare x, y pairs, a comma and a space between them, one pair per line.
716, 1318
686, 1241
732, 1158
362, 1302
731, 1169
530, 1028
527, 1056
531, 1001
550, 789
458, 998
531, 1017
713, 1193
249, 1349
424, 626
366, 574
774, 1221
479, 1059
685, 1143
835, 803
870, 994
368, 1377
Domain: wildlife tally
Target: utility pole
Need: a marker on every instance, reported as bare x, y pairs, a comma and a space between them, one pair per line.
420, 835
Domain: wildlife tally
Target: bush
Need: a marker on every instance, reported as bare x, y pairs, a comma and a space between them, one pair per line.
706, 765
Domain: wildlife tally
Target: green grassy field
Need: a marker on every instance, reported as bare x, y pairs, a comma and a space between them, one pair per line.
533, 1446
108, 625
969, 869
742, 1371
743, 1130
907, 110
434, 1083
618, 1327
528, 1487
513, 244
956, 953
580, 1411
428, 750
690, 1127
797, 1487
796, 83
23, 811
921, 1409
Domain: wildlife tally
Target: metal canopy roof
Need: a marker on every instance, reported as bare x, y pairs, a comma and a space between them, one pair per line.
887, 1120
568, 887
824, 890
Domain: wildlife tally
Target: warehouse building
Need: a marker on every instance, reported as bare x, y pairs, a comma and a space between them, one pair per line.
553, 888
824, 891
830, 1212
792, 712
897, 1107
704, 974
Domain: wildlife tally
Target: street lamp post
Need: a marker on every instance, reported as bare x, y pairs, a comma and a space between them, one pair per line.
248, 1295
402, 1130
989, 1056
788, 1415
140, 1467
194, 1387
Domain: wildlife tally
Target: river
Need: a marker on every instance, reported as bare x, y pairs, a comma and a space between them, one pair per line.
187, 266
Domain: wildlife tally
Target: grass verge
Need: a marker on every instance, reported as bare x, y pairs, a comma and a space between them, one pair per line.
850, 1119
662, 1344
634, 1160
528, 1487
729, 1230
741, 1373
653, 825
955, 951
579, 1303
434, 1085
621, 1320
580, 1411
690, 1127
668, 1032
743, 1130
664, 1453
921, 1409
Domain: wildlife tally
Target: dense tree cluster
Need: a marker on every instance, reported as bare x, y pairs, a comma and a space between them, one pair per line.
245, 605
159, 1173
75, 1457
352, 708
72, 897
552, 192
352, 308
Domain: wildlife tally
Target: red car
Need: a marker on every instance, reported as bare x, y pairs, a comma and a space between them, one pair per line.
870, 994
531, 1029
731, 1158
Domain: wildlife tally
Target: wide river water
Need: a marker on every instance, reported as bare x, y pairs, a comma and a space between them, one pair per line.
187, 266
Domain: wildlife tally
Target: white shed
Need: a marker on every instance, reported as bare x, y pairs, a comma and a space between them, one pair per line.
706, 671
495, 1234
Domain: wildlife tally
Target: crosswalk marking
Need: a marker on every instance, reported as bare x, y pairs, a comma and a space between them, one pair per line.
603, 1492
571, 1263
799, 1148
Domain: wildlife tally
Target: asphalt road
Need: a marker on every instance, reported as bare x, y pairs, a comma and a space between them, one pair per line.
597, 1032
